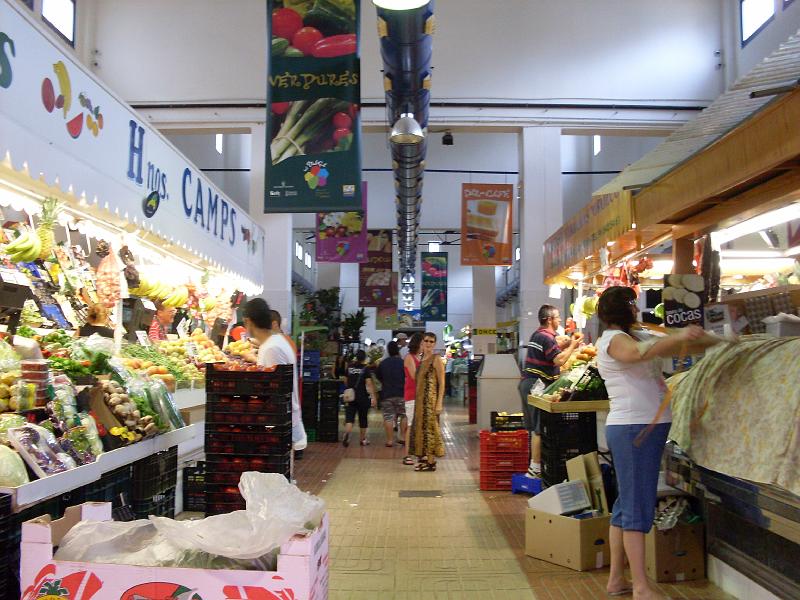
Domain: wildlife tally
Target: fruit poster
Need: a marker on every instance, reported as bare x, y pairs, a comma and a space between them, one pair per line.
486, 227
313, 96
434, 286
375, 276
387, 318
342, 236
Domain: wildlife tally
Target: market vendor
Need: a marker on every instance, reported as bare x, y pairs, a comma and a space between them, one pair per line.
96, 322
636, 428
162, 321
275, 349
543, 363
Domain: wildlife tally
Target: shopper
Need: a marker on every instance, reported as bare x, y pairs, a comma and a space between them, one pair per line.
543, 363
275, 350
390, 373
632, 372
410, 366
96, 322
402, 343
357, 374
162, 322
276, 328
426, 434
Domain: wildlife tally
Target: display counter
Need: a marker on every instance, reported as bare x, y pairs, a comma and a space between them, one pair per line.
576, 406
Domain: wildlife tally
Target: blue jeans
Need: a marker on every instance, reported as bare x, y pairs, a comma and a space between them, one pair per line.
637, 471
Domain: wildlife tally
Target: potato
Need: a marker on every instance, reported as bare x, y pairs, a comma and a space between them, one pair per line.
692, 300
675, 280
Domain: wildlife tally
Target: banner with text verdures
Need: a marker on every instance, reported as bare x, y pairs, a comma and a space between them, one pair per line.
434, 286
486, 227
313, 96
375, 275
342, 235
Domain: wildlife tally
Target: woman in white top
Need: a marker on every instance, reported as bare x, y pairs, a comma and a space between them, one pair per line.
632, 372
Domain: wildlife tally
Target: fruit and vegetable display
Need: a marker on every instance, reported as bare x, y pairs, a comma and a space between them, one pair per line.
579, 380
312, 127
318, 28
240, 349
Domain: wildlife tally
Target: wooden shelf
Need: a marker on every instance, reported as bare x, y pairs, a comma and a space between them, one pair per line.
741, 297
568, 407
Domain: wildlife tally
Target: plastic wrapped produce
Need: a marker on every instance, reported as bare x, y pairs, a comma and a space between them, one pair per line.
7, 421
92, 434
12, 469
40, 450
164, 404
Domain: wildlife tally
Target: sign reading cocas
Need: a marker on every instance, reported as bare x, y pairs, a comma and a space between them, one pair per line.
683, 297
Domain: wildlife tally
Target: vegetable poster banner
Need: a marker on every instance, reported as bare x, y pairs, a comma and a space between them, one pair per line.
375, 276
387, 318
313, 96
342, 236
486, 210
434, 286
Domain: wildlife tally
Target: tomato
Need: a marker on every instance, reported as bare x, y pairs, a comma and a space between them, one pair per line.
342, 121
339, 134
306, 38
285, 23
281, 108
335, 45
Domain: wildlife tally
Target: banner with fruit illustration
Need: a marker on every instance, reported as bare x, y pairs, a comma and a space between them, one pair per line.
434, 286
60, 124
313, 97
342, 236
486, 226
375, 275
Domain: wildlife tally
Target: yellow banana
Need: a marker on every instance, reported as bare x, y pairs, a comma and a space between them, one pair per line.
21, 244
64, 84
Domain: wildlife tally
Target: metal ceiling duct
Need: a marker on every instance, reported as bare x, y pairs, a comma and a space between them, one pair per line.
406, 49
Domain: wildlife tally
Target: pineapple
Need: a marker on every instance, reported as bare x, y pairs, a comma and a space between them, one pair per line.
50, 210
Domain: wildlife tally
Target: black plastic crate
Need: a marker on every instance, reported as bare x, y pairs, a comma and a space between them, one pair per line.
569, 429
274, 404
221, 508
111, 487
327, 436
554, 460
194, 487
507, 422
222, 477
160, 505
153, 475
226, 463
329, 384
248, 441
249, 383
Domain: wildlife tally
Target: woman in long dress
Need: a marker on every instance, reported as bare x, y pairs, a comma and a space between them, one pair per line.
426, 435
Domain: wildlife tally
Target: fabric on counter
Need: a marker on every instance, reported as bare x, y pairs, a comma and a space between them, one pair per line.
737, 411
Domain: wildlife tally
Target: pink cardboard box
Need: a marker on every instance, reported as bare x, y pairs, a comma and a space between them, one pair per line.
302, 570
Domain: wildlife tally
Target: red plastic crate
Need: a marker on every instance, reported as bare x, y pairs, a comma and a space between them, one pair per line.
504, 462
504, 441
496, 481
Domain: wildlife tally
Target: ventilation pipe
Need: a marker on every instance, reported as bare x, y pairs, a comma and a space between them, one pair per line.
405, 29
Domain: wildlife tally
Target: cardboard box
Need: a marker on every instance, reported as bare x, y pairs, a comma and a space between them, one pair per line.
302, 569
677, 554
587, 469
579, 544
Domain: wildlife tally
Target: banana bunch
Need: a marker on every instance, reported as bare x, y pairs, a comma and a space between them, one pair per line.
177, 298
25, 248
208, 304
155, 290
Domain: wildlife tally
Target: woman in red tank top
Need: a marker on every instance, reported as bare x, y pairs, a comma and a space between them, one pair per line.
411, 364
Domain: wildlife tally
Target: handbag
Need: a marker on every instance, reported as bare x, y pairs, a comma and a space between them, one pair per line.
350, 393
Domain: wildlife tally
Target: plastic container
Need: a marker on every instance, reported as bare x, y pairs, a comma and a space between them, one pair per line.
504, 441
506, 422
154, 475
496, 481
570, 429
503, 461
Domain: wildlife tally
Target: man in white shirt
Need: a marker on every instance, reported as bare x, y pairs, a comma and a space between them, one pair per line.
275, 349
402, 342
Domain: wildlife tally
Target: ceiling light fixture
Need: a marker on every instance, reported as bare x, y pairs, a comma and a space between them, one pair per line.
406, 130
756, 224
434, 246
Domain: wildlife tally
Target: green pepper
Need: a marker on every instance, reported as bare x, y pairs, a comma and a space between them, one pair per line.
332, 17
279, 46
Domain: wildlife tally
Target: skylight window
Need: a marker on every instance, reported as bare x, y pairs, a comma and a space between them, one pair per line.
755, 14
60, 15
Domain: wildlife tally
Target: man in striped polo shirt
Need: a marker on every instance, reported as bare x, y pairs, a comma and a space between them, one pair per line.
543, 362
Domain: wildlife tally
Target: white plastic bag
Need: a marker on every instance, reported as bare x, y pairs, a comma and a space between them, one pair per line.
276, 510
244, 539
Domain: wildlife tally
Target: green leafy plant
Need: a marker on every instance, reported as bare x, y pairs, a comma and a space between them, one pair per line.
353, 323
323, 308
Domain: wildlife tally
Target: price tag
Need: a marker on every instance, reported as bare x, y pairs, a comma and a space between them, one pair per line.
183, 328
191, 349
485, 331
144, 340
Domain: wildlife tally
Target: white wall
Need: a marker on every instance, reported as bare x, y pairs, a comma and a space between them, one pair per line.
514, 50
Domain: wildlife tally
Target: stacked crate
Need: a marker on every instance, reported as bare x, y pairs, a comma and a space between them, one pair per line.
328, 424
565, 436
472, 380
248, 428
194, 487
154, 480
503, 454
312, 365
309, 402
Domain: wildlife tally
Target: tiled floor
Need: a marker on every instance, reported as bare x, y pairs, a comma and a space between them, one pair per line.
462, 544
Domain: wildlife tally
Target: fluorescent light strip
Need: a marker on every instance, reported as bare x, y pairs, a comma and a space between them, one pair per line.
756, 224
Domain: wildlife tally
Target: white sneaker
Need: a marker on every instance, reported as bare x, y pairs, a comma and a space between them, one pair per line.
533, 474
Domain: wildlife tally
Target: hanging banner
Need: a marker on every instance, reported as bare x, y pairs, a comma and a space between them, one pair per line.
313, 97
375, 275
434, 286
387, 318
410, 319
342, 236
486, 227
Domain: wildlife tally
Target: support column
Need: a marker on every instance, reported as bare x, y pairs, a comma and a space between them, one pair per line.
541, 214
278, 251
484, 311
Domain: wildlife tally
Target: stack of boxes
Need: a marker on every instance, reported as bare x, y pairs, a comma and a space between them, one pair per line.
328, 424
309, 402
248, 428
503, 454
154, 480
311, 365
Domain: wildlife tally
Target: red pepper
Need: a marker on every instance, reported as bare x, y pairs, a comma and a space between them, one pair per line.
335, 45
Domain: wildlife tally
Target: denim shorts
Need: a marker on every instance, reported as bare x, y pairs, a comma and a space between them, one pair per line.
637, 471
533, 420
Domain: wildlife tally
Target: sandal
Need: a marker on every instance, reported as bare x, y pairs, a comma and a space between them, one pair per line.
425, 466
408, 460
389, 445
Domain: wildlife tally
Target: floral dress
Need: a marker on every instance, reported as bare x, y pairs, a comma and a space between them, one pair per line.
426, 434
